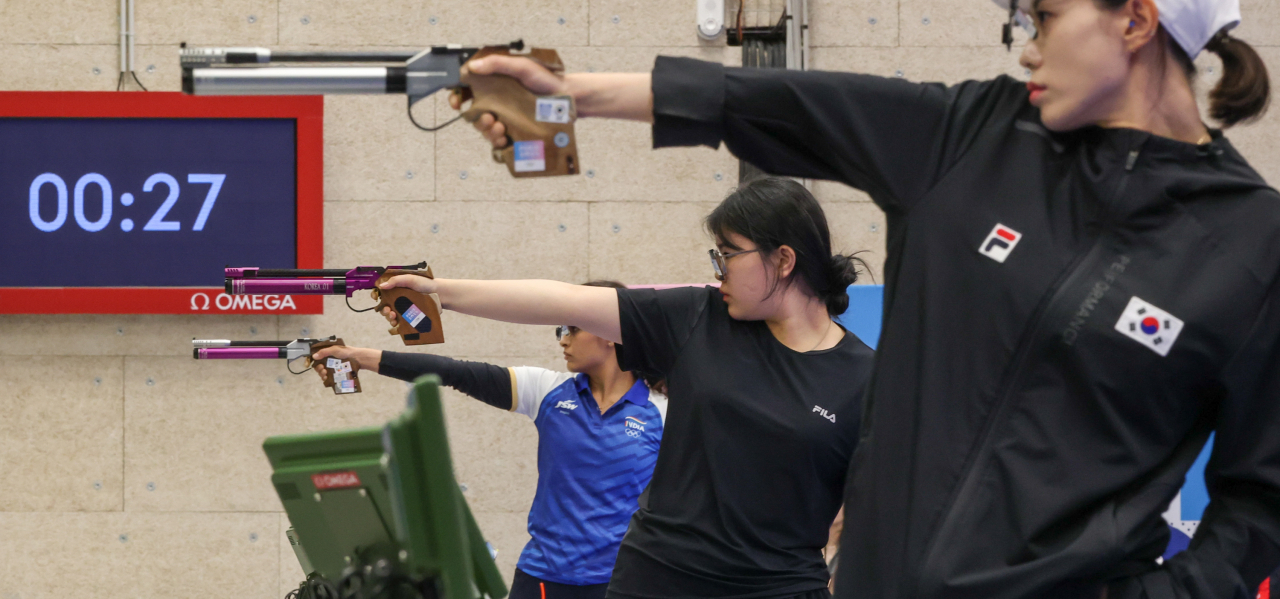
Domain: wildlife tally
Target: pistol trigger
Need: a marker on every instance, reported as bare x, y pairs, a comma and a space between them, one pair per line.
497, 153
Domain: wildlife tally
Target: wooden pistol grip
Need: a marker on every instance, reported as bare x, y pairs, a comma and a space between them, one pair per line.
419, 316
543, 140
332, 379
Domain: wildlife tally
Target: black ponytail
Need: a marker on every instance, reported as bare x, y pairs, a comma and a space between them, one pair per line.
775, 211
1244, 92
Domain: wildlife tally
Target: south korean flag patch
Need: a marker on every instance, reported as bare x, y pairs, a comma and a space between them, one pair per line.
1149, 325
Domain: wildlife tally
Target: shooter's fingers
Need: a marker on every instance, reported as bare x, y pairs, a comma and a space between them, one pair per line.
531, 74
333, 351
318, 366
391, 316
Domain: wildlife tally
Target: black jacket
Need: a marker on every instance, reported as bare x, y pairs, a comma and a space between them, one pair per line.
1023, 432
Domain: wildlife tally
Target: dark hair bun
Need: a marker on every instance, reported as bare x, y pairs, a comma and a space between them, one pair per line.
843, 272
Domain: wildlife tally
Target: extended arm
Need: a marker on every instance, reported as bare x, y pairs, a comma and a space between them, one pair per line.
889, 137
485, 382
593, 309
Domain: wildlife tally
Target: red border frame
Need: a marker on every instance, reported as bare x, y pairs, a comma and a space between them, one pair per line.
308, 114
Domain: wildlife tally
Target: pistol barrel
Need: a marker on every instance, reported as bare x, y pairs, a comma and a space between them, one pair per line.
292, 81
317, 286
238, 353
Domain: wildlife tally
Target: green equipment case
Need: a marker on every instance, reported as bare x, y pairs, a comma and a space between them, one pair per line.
381, 505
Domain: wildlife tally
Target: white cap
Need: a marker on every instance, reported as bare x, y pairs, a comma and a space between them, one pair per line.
1192, 23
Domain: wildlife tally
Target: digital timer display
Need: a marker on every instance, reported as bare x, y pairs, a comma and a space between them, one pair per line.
145, 202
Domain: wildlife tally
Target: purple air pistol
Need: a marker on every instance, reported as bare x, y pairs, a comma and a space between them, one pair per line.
339, 375
419, 314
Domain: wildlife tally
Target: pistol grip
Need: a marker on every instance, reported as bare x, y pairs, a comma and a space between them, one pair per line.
419, 315
543, 140
343, 377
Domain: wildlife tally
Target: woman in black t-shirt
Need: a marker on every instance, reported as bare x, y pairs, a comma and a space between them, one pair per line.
765, 398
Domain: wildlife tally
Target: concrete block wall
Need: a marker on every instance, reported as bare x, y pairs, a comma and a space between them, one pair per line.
127, 470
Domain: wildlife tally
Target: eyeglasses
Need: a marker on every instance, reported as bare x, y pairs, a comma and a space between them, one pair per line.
718, 261
565, 330
1017, 18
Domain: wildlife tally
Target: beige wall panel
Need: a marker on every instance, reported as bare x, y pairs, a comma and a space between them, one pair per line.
409, 22
653, 23
508, 532
59, 68
60, 434
474, 241
59, 22
207, 22
618, 163
921, 64
45, 555
1260, 24
495, 453
654, 242
855, 23
196, 429
830, 191
157, 68
859, 227
952, 23
373, 152
640, 59
124, 334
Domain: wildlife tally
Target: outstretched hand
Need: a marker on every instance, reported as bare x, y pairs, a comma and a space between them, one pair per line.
367, 359
417, 283
529, 73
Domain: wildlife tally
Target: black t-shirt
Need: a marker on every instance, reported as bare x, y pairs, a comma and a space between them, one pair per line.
754, 451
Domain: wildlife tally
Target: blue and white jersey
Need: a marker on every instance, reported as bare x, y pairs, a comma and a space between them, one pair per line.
592, 468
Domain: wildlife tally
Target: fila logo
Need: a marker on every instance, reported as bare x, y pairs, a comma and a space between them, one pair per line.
1149, 325
567, 404
825, 414
999, 243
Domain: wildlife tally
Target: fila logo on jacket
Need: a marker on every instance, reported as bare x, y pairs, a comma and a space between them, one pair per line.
1140, 321
821, 411
999, 243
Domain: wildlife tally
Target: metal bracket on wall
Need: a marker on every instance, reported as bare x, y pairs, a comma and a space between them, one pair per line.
773, 34
126, 47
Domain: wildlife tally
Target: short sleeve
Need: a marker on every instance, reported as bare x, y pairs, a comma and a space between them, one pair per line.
656, 324
532, 385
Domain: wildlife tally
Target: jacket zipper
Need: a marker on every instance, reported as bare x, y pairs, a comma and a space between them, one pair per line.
1020, 358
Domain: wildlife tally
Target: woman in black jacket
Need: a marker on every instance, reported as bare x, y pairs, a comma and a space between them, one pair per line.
1082, 284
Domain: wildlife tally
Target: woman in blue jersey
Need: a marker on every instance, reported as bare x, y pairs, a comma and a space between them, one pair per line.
598, 433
